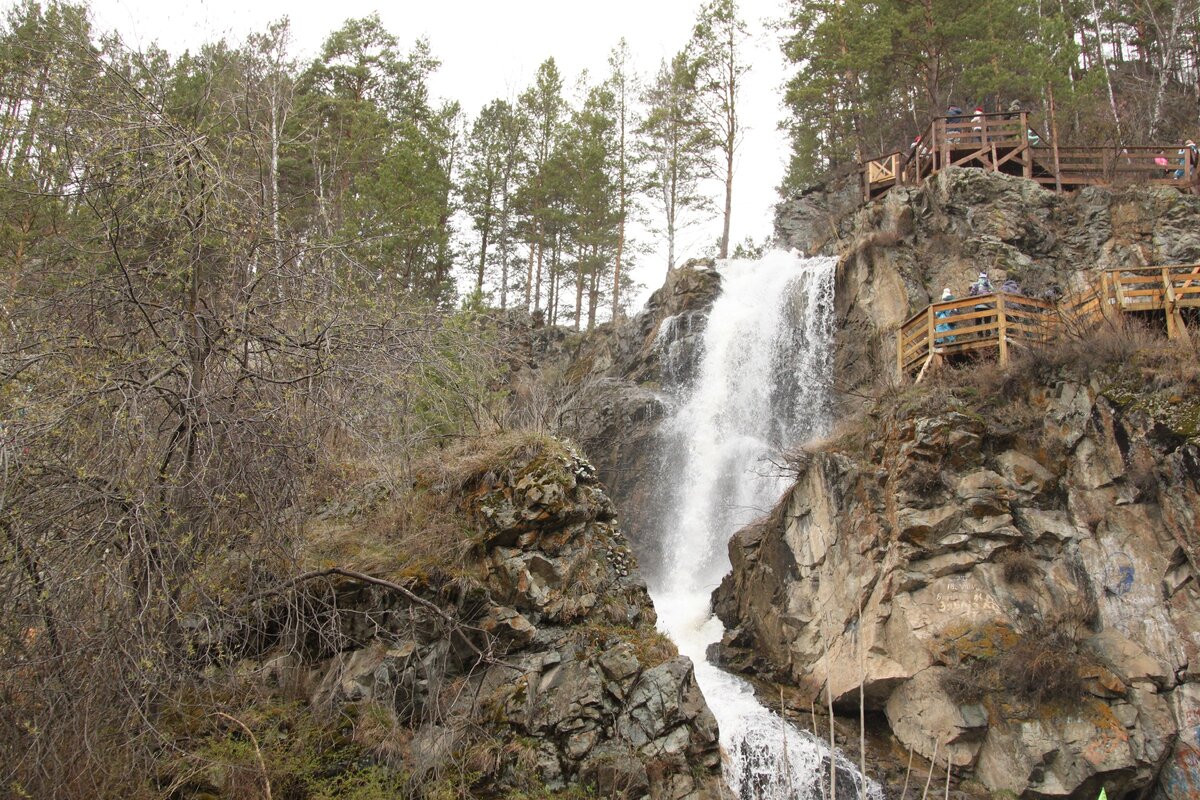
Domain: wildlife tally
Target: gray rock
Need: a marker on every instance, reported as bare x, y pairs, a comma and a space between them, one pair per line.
1106, 598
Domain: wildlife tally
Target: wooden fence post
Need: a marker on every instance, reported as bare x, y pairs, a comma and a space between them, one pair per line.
900, 353
1174, 320
945, 143
1002, 329
1054, 139
1026, 147
929, 328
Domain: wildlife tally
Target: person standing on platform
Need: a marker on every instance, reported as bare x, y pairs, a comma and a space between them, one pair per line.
944, 327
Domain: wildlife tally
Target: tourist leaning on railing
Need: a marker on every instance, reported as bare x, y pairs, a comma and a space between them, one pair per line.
983, 286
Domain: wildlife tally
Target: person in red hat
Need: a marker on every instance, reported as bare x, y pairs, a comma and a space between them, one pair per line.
978, 120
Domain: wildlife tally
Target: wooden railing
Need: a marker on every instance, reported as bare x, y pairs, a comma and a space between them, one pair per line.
884, 172
992, 140
957, 326
1169, 289
1008, 143
1001, 320
1110, 166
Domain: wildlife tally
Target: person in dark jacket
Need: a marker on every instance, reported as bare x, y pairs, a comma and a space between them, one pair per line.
954, 120
982, 286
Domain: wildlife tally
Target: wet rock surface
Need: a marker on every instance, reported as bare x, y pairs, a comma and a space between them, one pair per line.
629, 373
1020, 597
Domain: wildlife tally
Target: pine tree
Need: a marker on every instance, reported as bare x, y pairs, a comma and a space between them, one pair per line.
492, 162
623, 84
675, 144
544, 109
717, 46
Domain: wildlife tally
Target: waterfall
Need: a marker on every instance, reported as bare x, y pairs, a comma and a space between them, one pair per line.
760, 384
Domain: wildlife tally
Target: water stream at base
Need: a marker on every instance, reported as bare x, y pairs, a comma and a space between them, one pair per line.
760, 384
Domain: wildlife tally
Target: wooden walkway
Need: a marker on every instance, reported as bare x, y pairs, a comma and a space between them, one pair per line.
952, 329
1007, 143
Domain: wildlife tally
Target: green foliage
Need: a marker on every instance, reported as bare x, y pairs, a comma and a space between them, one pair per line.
717, 43
216, 277
675, 145
300, 755
869, 75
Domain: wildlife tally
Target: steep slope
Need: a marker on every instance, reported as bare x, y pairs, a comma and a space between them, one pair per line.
1005, 562
898, 252
620, 377
493, 638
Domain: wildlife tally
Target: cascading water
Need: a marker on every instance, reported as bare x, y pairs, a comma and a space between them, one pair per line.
760, 384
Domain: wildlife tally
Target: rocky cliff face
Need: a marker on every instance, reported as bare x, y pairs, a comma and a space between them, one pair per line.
531, 663
900, 251
1006, 569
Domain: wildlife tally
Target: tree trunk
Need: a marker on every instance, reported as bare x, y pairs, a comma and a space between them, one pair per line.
593, 293
1169, 44
537, 284
483, 246
529, 274
728, 198
578, 292
1112, 98
616, 292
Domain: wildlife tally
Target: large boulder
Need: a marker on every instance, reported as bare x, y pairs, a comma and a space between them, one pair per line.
540, 650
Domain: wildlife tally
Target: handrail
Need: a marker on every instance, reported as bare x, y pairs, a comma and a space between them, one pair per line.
1001, 142
1000, 319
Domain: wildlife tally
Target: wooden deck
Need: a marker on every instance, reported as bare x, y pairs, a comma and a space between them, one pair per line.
1007, 143
952, 329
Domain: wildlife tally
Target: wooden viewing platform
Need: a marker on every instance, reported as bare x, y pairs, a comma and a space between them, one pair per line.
1002, 320
1007, 143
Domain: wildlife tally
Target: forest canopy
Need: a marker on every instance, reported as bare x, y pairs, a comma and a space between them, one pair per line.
868, 74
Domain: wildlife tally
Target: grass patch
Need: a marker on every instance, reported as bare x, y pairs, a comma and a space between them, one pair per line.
300, 754
650, 646
426, 526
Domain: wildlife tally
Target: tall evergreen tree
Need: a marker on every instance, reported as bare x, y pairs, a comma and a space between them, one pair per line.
592, 172
623, 84
717, 45
675, 144
544, 110
490, 153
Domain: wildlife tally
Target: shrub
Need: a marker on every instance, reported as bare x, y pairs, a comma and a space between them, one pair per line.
1043, 663
966, 684
1042, 668
1018, 566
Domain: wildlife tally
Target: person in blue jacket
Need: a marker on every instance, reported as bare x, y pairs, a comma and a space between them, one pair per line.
944, 327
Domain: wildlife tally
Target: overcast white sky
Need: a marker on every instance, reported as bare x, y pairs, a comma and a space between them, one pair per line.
491, 48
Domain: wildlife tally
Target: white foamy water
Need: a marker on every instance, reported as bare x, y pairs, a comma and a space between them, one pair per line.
761, 384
